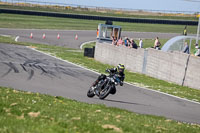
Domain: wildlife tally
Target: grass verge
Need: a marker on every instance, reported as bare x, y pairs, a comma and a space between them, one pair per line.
134, 78
23, 112
42, 22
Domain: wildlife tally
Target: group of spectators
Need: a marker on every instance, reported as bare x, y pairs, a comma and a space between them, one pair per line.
126, 42
187, 50
132, 44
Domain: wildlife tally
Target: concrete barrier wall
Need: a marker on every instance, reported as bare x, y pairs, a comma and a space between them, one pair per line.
173, 67
166, 66
131, 58
192, 77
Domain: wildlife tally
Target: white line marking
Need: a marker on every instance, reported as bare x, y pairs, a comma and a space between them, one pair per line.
124, 82
5, 35
81, 47
165, 94
16, 39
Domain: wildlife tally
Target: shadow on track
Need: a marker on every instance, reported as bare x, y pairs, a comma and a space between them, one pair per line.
123, 102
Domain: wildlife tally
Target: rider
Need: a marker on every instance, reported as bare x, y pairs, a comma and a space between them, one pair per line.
119, 71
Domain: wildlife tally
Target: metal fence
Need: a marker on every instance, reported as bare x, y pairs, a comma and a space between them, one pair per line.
34, 2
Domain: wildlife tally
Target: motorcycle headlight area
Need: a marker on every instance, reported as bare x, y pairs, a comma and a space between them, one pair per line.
112, 79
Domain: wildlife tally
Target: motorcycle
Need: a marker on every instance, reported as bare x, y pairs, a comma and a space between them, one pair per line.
104, 87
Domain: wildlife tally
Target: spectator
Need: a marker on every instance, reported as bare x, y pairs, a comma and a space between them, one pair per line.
120, 41
140, 43
114, 41
185, 31
197, 51
126, 42
133, 44
196, 45
157, 44
186, 48
97, 33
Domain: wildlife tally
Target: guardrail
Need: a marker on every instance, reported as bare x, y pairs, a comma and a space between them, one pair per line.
103, 18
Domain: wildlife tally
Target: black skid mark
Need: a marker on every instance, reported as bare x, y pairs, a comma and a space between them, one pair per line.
23, 67
12, 66
21, 56
7, 72
31, 73
43, 70
4, 53
50, 74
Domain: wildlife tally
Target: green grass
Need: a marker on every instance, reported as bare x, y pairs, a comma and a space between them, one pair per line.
26, 112
41, 22
135, 78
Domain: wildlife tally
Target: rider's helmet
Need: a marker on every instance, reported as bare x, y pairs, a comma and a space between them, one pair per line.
120, 68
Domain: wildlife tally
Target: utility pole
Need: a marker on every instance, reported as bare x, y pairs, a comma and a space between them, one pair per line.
197, 39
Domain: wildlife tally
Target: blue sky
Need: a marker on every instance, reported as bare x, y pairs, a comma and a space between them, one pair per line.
170, 5
175, 5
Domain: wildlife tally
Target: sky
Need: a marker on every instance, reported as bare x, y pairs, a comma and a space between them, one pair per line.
174, 5
169, 5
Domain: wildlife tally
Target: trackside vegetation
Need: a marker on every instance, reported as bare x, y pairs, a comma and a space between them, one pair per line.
26, 112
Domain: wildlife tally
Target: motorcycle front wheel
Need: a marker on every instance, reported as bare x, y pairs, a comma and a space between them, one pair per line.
90, 93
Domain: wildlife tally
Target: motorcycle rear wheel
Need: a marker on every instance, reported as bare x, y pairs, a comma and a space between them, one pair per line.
105, 92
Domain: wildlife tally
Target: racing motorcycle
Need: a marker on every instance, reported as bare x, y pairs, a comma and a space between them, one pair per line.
104, 87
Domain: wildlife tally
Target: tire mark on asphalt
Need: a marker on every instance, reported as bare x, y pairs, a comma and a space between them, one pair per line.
54, 70
7, 73
20, 55
4, 53
41, 68
31, 73
23, 67
12, 66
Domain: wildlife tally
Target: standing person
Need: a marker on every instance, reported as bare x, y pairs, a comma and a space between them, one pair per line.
126, 42
197, 51
140, 43
133, 44
185, 31
120, 41
186, 48
157, 44
97, 33
114, 41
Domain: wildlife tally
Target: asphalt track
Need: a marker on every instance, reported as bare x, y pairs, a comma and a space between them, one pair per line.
29, 70
67, 38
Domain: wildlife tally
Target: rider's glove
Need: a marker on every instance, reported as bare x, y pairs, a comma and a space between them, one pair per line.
121, 83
